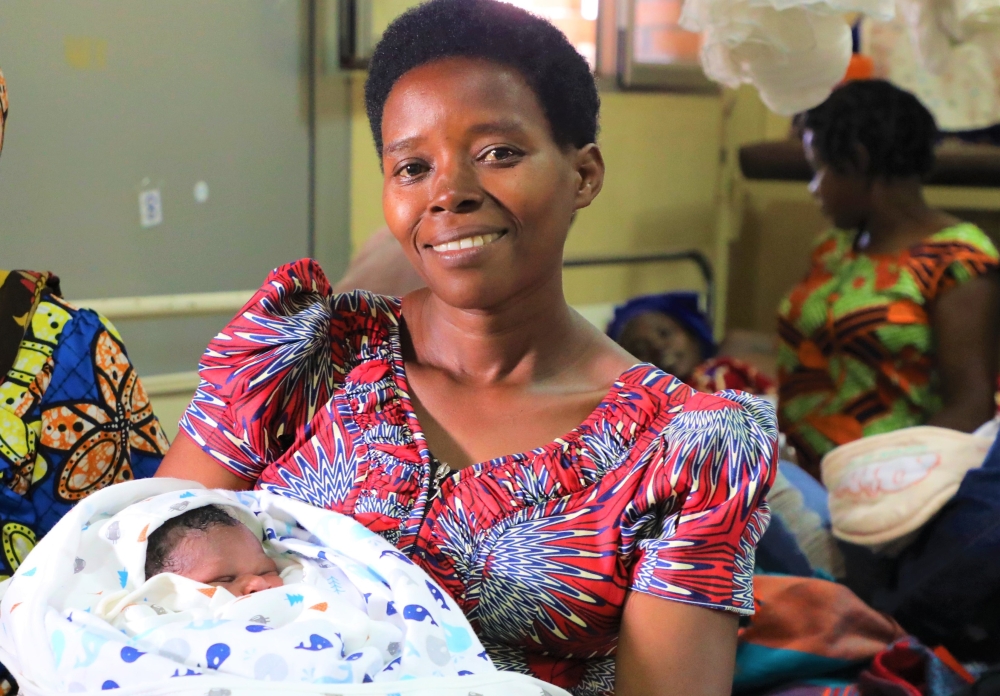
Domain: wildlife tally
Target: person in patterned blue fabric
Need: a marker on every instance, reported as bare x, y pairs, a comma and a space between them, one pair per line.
594, 518
74, 416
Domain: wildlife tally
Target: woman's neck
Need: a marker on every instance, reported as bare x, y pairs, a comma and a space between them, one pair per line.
900, 217
528, 339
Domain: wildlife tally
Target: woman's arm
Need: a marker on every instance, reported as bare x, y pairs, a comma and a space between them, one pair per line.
965, 321
668, 648
186, 460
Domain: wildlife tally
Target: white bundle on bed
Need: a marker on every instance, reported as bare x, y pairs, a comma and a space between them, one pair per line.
79, 615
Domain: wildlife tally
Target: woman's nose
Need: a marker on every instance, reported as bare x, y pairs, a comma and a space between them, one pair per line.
456, 190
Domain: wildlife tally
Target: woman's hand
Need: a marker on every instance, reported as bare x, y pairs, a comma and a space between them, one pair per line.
965, 322
186, 460
669, 648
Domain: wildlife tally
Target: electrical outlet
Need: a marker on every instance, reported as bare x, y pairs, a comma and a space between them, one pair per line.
150, 208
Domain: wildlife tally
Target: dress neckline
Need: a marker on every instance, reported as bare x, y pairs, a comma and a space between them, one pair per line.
402, 385
854, 253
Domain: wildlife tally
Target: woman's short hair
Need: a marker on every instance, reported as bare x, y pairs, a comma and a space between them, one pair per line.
498, 32
892, 125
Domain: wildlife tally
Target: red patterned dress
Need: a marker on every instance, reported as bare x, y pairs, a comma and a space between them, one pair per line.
661, 490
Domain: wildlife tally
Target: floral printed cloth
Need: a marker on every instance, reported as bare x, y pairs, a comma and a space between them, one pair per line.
660, 490
80, 615
857, 351
74, 417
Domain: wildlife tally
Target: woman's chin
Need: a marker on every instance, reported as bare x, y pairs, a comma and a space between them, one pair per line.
471, 296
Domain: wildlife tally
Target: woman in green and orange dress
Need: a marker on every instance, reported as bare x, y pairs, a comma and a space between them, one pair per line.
897, 322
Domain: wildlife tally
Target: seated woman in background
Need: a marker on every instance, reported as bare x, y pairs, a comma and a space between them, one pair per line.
595, 519
74, 417
671, 332
897, 323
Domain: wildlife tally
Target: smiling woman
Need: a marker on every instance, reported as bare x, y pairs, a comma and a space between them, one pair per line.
596, 519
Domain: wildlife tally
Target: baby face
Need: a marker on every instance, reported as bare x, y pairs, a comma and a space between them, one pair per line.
225, 556
656, 338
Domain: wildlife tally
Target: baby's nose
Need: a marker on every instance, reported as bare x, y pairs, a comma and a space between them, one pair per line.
258, 583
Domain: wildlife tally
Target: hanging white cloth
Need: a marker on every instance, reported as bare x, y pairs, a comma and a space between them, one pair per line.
947, 52
794, 51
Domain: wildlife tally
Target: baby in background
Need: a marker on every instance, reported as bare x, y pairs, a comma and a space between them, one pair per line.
210, 546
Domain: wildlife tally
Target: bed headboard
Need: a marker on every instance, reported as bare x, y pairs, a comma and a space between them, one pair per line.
600, 314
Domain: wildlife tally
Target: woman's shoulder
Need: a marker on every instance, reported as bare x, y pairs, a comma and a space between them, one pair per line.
953, 256
298, 297
681, 413
963, 237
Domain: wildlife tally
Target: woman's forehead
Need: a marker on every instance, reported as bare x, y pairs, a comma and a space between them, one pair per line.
472, 93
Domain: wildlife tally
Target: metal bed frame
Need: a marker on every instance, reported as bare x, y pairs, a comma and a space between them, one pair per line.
229, 302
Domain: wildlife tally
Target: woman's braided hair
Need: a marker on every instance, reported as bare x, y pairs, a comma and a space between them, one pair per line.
893, 126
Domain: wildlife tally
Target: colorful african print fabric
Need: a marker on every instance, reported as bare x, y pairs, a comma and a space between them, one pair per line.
661, 490
73, 416
857, 355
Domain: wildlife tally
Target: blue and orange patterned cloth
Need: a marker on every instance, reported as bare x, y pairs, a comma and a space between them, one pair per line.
660, 490
74, 417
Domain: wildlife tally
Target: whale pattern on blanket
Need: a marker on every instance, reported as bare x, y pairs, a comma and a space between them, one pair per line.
107, 624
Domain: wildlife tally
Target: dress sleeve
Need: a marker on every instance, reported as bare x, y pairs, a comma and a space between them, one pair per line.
267, 372
705, 491
957, 256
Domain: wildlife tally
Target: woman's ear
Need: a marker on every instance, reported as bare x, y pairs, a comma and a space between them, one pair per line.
861, 160
590, 174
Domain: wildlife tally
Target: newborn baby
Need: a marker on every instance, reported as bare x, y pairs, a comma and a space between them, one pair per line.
209, 545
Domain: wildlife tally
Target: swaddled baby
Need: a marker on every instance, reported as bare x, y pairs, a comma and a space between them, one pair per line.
210, 546
152, 580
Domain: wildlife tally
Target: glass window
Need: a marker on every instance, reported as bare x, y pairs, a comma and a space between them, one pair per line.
658, 37
576, 18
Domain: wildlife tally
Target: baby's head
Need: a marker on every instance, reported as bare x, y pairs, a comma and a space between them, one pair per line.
668, 330
207, 544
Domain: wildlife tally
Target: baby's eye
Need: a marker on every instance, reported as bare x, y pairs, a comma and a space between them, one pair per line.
222, 581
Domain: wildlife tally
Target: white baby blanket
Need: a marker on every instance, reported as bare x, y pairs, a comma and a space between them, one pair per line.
79, 615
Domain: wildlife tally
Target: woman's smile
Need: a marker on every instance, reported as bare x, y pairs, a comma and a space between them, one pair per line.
467, 242
464, 247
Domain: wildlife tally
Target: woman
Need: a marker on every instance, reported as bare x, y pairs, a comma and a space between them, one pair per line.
897, 322
622, 531
74, 416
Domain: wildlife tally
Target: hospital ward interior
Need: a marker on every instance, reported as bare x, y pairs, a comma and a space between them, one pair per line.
500, 347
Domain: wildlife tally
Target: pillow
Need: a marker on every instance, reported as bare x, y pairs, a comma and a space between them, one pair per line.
885, 487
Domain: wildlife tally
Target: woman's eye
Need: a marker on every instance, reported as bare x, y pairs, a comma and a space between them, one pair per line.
411, 170
499, 154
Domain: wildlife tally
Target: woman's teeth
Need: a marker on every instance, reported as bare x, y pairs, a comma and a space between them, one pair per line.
468, 242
